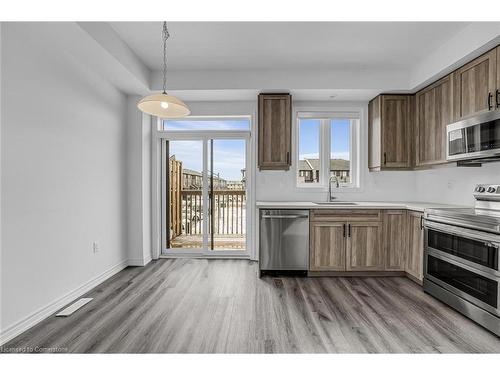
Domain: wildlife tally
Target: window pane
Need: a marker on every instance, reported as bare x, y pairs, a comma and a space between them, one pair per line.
197, 125
340, 153
184, 195
309, 164
228, 195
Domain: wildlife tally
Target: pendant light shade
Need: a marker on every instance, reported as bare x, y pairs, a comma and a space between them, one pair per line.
164, 105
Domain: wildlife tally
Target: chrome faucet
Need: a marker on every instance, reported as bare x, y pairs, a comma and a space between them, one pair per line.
337, 185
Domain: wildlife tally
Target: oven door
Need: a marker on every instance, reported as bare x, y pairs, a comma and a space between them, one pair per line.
480, 288
471, 247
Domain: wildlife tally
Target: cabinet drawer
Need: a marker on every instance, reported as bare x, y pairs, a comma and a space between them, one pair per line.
345, 215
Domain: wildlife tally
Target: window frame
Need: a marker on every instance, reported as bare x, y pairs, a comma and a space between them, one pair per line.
325, 148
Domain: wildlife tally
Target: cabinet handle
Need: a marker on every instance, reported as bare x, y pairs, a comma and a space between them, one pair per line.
490, 106
385, 158
421, 222
343, 225
288, 157
348, 230
498, 98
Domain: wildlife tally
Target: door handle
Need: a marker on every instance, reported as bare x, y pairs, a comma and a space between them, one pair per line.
284, 216
490, 106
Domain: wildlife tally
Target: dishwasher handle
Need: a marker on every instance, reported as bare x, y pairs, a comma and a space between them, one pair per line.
284, 216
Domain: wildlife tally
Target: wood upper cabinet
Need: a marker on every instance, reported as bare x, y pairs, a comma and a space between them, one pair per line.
497, 91
364, 247
395, 239
327, 246
475, 85
433, 112
415, 255
275, 131
389, 129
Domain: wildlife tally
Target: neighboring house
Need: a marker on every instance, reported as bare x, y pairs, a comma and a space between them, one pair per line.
236, 185
309, 170
192, 180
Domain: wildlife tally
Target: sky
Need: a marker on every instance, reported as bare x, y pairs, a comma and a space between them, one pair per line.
229, 154
309, 139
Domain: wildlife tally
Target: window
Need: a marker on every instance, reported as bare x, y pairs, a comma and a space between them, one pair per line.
327, 149
195, 124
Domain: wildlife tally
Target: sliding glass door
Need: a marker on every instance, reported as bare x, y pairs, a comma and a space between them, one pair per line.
205, 190
227, 193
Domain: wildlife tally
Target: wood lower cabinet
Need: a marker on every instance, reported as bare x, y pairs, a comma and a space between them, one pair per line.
364, 247
367, 240
474, 86
327, 246
433, 112
395, 239
415, 251
275, 131
346, 240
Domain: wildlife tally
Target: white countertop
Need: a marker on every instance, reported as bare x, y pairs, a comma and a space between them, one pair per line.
416, 206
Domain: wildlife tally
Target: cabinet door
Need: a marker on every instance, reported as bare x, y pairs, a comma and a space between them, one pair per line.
434, 112
374, 146
274, 131
395, 122
394, 239
364, 246
497, 91
327, 246
474, 86
415, 255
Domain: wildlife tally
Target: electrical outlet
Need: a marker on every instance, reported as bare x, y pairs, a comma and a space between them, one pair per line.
95, 247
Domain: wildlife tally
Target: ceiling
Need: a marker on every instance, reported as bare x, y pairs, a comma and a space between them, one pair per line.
288, 45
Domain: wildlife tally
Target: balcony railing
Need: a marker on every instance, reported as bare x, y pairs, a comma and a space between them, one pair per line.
229, 213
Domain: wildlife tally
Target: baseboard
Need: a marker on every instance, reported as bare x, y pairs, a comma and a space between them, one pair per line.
414, 279
43, 313
355, 273
139, 262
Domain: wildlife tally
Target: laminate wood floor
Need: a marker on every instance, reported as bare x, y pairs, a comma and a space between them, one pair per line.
221, 306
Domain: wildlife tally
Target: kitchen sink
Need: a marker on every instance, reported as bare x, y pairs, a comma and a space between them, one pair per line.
338, 203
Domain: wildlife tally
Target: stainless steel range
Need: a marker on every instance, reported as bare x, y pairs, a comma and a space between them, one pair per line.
461, 257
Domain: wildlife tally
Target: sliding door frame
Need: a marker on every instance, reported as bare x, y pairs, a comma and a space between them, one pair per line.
159, 149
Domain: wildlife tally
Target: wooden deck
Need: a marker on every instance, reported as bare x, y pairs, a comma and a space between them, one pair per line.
221, 242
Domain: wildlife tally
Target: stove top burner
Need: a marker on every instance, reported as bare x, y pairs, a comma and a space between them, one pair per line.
484, 216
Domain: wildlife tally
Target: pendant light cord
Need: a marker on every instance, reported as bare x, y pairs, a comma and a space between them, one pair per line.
166, 35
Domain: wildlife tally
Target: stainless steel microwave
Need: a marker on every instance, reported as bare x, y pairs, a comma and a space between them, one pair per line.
474, 138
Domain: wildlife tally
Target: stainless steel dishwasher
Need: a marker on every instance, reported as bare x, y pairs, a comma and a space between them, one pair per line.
284, 241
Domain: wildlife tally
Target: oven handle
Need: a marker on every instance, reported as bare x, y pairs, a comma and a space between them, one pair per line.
487, 238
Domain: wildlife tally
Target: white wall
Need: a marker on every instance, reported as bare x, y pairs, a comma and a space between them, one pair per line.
139, 184
280, 185
454, 185
63, 172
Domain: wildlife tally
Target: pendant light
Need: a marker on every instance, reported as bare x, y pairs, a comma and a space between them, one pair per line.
164, 105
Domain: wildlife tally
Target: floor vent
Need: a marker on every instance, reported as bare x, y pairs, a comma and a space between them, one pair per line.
74, 306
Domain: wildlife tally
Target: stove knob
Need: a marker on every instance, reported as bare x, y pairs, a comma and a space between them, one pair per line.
481, 189
491, 189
